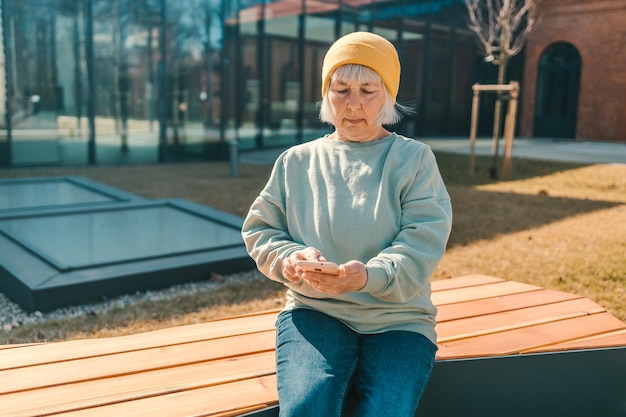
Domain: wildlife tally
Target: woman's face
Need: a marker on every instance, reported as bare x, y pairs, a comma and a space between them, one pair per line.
355, 106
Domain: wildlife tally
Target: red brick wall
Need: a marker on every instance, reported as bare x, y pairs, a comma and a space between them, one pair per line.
597, 28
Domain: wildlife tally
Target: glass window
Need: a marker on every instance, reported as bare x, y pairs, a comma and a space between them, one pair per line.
169, 80
125, 41
284, 80
198, 77
46, 107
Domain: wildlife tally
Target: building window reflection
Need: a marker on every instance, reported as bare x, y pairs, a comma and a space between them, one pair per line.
116, 78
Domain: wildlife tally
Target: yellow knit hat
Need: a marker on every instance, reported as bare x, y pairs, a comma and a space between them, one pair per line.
368, 49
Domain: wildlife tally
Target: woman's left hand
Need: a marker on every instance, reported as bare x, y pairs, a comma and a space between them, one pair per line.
352, 277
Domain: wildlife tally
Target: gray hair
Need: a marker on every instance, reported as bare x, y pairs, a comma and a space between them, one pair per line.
390, 113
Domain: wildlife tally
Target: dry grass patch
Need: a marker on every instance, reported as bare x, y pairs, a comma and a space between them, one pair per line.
564, 231
582, 254
594, 182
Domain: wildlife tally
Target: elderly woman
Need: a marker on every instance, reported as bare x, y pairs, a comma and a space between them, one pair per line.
373, 202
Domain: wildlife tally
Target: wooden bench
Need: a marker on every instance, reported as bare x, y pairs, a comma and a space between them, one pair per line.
226, 367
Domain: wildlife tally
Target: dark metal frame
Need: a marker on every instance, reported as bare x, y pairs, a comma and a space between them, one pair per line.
6, 151
581, 383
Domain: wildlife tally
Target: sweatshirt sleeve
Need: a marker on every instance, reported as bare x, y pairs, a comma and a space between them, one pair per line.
402, 270
265, 231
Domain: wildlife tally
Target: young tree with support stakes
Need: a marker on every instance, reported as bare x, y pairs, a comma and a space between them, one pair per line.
501, 28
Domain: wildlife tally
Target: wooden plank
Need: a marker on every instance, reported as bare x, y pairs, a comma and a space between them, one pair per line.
244, 410
50, 374
502, 303
519, 340
464, 281
515, 319
71, 350
606, 340
6, 347
94, 393
209, 401
481, 292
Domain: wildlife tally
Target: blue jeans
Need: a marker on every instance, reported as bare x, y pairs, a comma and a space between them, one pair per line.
319, 360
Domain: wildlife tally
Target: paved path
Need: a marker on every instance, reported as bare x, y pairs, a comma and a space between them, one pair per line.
547, 149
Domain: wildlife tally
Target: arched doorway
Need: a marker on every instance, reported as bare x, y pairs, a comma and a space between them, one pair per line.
558, 85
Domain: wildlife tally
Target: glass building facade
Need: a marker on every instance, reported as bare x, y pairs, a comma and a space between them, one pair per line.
147, 81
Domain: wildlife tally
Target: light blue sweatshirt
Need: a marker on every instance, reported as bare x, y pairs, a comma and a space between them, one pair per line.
383, 203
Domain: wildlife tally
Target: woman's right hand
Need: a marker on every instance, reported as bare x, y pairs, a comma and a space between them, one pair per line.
289, 264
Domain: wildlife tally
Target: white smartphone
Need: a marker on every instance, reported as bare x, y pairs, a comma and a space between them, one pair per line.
325, 267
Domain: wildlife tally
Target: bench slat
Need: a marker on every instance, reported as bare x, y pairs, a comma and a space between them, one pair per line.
612, 339
464, 281
519, 340
500, 304
241, 411
51, 374
20, 345
481, 292
531, 316
130, 387
71, 350
209, 401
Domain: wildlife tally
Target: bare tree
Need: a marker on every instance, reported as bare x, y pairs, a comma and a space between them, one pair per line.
207, 15
502, 28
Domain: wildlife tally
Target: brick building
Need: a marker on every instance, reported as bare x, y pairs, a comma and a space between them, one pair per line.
574, 83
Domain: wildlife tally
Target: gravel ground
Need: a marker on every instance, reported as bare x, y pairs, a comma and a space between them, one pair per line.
12, 316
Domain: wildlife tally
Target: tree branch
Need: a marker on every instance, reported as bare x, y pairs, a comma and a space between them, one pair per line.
501, 26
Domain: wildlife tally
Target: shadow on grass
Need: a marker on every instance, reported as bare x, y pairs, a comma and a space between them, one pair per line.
480, 215
455, 169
